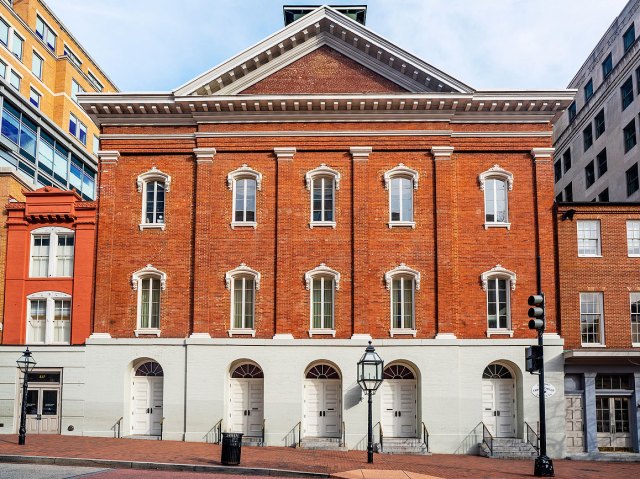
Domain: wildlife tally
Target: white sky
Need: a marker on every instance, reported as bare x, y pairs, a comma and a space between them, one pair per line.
157, 45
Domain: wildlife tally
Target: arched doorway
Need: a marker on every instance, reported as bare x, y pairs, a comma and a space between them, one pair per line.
322, 401
247, 399
147, 392
499, 400
399, 401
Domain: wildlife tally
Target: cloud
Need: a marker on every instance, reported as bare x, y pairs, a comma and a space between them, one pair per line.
514, 44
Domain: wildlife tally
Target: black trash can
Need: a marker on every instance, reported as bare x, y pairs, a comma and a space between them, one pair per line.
231, 448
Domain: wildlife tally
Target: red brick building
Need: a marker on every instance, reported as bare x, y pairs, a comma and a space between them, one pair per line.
598, 253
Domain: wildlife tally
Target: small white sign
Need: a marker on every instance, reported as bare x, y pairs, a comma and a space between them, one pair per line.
549, 390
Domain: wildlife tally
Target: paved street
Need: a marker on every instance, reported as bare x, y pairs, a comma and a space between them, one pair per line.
339, 463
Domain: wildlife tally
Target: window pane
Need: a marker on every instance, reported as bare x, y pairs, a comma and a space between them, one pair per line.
328, 199
61, 321
237, 303
10, 125
64, 255
396, 184
155, 303
492, 317
588, 238
590, 317
250, 189
145, 303
408, 303
240, 200
396, 303
407, 199
248, 303
40, 256
17, 46
4, 32
635, 317
37, 321
328, 303
317, 200
317, 303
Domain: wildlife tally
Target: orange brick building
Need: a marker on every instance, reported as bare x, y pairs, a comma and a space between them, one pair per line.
598, 251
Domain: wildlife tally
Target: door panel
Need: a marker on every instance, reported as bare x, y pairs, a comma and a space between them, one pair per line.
255, 407
574, 424
488, 402
139, 415
388, 407
313, 406
406, 406
331, 417
156, 386
238, 393
49, 411
33, 406
323, 408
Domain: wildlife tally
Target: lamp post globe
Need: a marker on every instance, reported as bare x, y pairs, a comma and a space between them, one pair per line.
26, 363
370, 376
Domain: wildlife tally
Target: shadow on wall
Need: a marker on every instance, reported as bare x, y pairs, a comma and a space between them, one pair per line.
352, 396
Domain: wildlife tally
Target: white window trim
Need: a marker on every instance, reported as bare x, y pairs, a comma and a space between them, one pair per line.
49, 297
229, 277
53, 232
154, 174
401, 171
498, 271
14, 33
41, 57
633, 345
602, 342
12, 71
322, 270
599, 253
630, 255
496, 172
402, 270
317, 173
244, 171
149, 271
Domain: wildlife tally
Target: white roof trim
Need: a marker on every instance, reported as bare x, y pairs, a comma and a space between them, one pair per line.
243, 269
322, 170
154, 174
499, 271
402, 269
401, 170
148, 270
243, 171
322, 269
496, 171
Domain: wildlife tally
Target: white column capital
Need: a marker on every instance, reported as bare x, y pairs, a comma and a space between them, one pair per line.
360, 152
108, 156
542, 153
205, 155
285, 153
442, 152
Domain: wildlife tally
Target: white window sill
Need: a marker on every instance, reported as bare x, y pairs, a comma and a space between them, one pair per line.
242, 332
322, 224
322, 332
497, 225
403, 332
592, 345
402, 224
244, 224
634, 255
499, 332
635, 345
589, 256
151, 226
147, 332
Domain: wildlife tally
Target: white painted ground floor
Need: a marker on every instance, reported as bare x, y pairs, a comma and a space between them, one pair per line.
284, 389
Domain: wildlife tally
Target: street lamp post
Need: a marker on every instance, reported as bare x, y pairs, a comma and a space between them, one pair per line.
370, 368
26, 363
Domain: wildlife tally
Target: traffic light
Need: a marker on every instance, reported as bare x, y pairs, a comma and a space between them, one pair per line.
533, 359
536, 312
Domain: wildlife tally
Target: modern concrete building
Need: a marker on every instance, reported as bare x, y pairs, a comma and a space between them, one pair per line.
596, 138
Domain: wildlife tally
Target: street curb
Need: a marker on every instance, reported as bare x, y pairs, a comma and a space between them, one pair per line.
159, 466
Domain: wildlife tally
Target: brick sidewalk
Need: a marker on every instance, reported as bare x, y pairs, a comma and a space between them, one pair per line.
439, 465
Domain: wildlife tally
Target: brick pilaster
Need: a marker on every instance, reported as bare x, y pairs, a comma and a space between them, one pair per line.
446, 254
284, 242
203, 246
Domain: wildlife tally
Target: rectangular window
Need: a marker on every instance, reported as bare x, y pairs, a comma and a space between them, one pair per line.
498, 303
629, 37
245, 200
62, 321
402, 303
82, 133
590, 174
36, 329
73, 124
72, 56
632, 180
599, 121
587, 137
243, 302
588, 90
75, 89
626, 91
94, 81
495, 201
323, 193
154, 202
46, 34
36, 65
17, 45
52, 255
629, 134
635, 317
40, 256
557, 171
96, 145
14, 80
34, 98
401, 199
322, 307
568, 193
588, 238
633, 238
566, 160
591, 318
150, 304
601, 159
4, 32
559, 197
638, 79
64, 255
607, 66
604, 196
3, 69
572, 111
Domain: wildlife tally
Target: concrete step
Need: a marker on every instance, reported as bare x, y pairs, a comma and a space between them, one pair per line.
508, 448
322, 444
252, 441
402, 445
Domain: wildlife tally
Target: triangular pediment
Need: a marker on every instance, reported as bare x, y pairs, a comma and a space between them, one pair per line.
371, 62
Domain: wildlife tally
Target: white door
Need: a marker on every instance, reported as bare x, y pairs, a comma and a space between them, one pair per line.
147, 405
43, 406
323, 407
574, 423
498, 407
247, 406
399, 408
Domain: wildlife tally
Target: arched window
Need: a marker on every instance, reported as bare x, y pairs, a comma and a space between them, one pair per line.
498, 282
246, 371
496, 184
48, 318
244, 182
496, 371
150, 368
322, 282
153, 185
403, 282
148, 282
398, 371
401, 181
243, 282
323, 182
322, 371
52, 251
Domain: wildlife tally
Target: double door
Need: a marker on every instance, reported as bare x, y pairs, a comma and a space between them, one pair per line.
43, 410
399, 407
498, 407
147, 410
612, 422
247, 406
323, 408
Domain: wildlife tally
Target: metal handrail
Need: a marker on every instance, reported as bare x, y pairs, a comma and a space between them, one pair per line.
381, 437
487, 438
263, 424
161, 427
118, 425
218, 429
533, 438
425, 436
299, 426
342, 444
